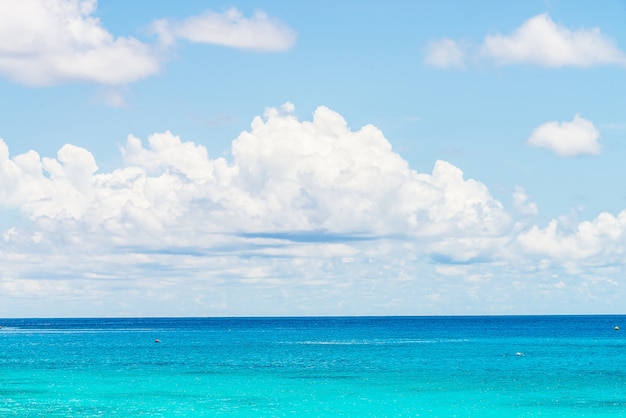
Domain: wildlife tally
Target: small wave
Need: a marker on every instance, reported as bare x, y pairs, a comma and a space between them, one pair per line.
374, 342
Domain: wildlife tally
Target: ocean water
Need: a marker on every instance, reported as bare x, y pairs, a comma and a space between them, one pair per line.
509, 366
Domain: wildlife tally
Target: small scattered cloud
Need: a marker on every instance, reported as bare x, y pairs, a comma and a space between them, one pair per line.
258, 33
445, 53
538, 41
50, 42
567, 139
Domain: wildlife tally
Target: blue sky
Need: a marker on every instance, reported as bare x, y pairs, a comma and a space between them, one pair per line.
332, 158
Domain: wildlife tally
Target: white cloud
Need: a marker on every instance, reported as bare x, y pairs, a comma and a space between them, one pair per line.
259, 32
598, 241
538, 41
445, 53
286, 176
567, 139
49, 42
314, 177
542, 42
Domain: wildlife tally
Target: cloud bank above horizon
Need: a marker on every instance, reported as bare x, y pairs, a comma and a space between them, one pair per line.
302, 206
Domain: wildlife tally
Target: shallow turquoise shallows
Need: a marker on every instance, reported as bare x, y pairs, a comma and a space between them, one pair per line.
526, 366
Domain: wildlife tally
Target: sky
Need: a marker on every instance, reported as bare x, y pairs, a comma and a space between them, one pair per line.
273, 158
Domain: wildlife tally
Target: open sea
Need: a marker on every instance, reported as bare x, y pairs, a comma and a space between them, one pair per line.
495, 366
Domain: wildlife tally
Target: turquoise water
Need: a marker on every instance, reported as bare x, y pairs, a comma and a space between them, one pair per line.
352, 367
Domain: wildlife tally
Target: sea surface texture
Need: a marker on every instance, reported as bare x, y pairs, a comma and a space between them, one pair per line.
525, 366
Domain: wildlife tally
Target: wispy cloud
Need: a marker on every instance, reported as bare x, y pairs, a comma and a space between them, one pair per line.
445, 53
522, 202
259, 32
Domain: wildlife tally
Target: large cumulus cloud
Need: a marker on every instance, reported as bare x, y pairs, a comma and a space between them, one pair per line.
285, 176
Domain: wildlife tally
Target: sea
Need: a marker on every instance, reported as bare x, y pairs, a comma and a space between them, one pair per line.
466, 366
